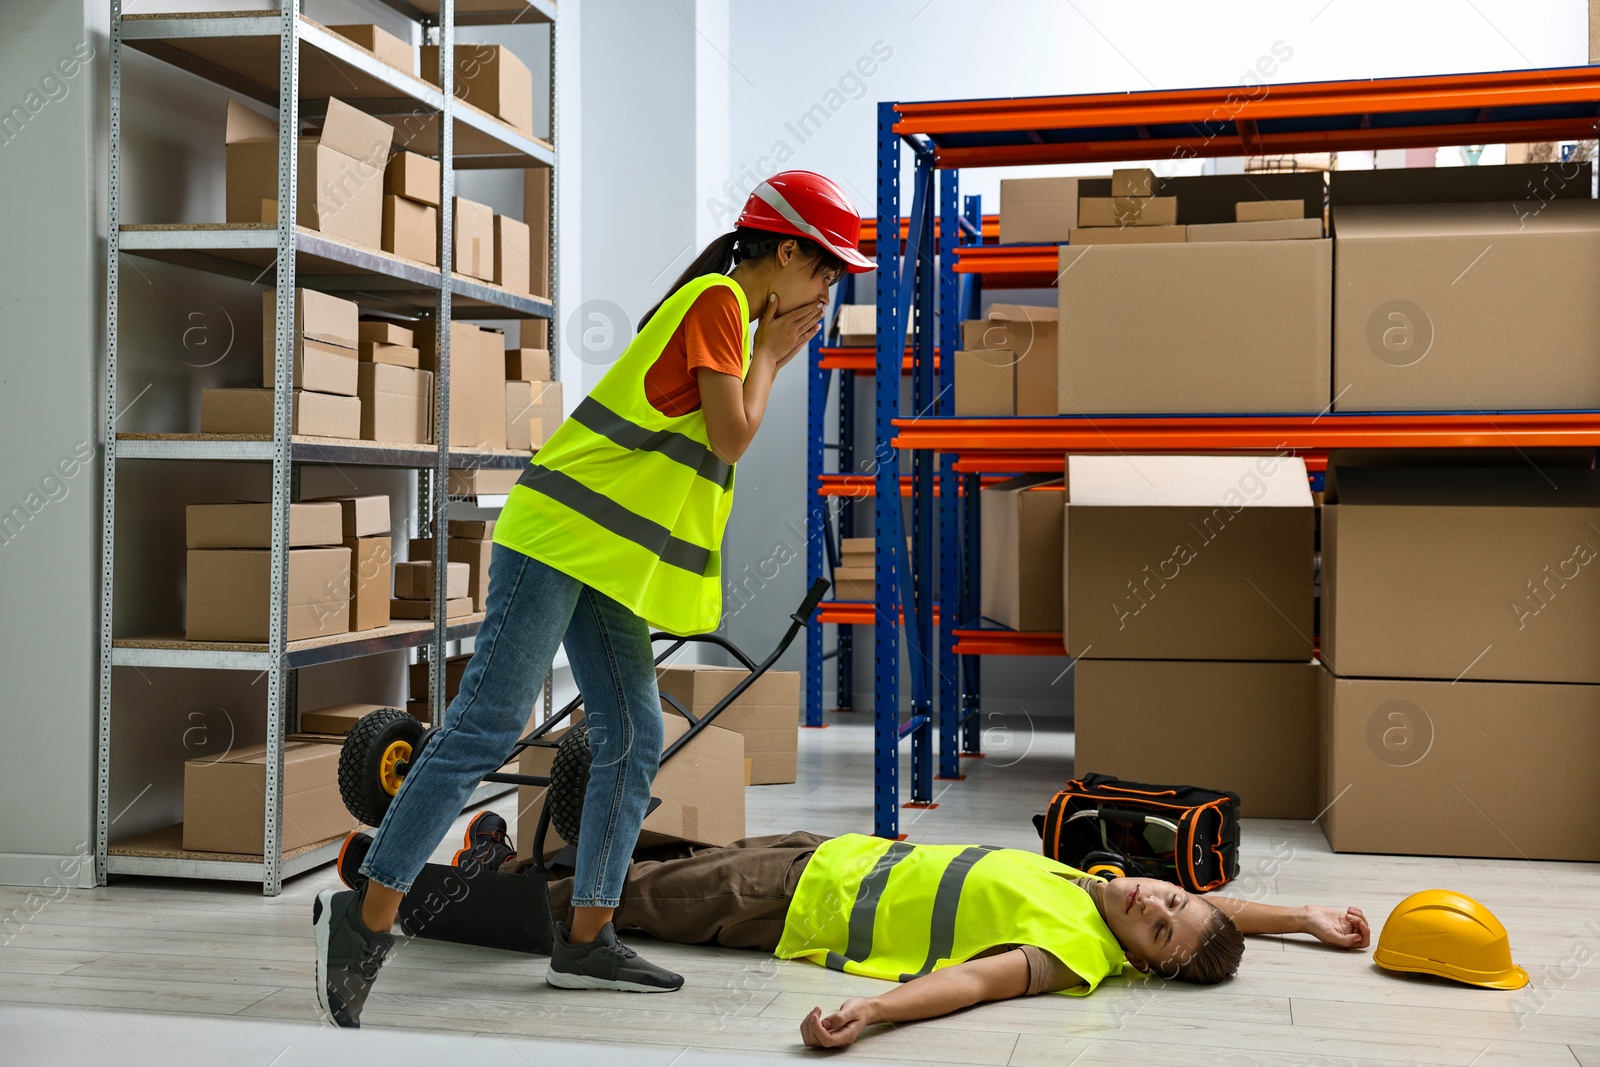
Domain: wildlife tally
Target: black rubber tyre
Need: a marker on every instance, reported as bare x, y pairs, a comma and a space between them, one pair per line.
569, 781
367, 782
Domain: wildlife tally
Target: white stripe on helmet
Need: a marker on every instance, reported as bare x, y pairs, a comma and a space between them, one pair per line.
776, 201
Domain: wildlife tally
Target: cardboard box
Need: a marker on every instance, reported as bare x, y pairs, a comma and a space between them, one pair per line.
853, 590
1149, 333
383, 44
1133, 181
392, 355
1129, 235
222, 799
472, 529
490, 77
482, 481
1272, 230
466, 409
1044, 210
528, 365
1269, 210
1462, 573
855, 574
766, 715
547, 409
488, 388
423, 609
858, 325
1029, 332
337, 718
396, 404
340, 184
985, 382
1207, 198
318, 367
474, 553
849, 545
249, 525
474, 240
413, 580
360, 516
1128, 211
1425, 317
1021, 538
249, 411
371, 566
228, 593
1422, 768
534, 333
1188, 557
454, 668
1535, 182
511, 254
519, 415
415, 177
1248, 727
411, 230
382, 333
536, 213
317, 317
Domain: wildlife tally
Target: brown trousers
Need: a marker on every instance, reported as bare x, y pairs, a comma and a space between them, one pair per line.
692, 894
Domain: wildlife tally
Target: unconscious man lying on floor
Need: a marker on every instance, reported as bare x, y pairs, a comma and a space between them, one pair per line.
958, 924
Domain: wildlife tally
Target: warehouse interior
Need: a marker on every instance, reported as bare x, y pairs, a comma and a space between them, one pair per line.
1213, 453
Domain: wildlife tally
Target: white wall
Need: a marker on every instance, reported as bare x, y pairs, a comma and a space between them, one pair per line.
943, 49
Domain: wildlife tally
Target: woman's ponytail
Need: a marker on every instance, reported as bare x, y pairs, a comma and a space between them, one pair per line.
715, 258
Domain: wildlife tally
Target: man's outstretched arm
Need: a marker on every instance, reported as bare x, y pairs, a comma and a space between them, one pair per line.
1346, 929
998, 977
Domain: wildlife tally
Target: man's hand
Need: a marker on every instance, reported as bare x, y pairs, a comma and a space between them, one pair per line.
1344, 929
779, 337
840, 1028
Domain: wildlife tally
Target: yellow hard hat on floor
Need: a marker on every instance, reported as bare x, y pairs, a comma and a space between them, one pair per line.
1441, 932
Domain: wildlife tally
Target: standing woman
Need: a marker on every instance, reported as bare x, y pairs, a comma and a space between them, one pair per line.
614, 528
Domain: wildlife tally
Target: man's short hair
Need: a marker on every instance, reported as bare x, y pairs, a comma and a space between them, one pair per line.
1217, 958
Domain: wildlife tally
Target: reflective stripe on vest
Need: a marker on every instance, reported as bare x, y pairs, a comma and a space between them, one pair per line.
898, 911
630, 501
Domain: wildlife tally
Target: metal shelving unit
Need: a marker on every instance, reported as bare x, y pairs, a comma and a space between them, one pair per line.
1491, 107
259, 55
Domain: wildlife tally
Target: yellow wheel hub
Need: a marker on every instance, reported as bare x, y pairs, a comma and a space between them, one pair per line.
397, 753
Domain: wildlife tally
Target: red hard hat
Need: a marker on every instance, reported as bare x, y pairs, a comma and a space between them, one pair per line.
805, 204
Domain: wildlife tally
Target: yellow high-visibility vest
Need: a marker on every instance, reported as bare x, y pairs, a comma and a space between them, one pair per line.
628, 500
893, 910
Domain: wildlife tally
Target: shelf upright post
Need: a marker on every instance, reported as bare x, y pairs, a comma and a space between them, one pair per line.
816, 407
886, 627
439, 505
554, 273
923, 321
971, 557
108, 452
278, 677
952, 613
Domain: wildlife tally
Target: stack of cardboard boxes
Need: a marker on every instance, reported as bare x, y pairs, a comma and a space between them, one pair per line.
856, 575
411, 188
533, 401
228, 592
470, 545
1007, 363
1132, 214
396, 395
1462, 693
413, 590
766, 715
222, 799
365, 526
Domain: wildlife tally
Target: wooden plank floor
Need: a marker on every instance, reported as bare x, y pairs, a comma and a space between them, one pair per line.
219, 950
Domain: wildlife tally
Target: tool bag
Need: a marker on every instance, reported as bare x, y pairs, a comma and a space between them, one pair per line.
1178, 833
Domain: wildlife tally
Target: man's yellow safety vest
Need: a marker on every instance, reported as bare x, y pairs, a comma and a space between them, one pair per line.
628, 500
893, 910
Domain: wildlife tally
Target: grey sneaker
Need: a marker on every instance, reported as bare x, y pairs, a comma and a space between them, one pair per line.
605, 963
348, 956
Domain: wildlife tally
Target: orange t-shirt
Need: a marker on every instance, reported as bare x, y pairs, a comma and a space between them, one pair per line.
711, 335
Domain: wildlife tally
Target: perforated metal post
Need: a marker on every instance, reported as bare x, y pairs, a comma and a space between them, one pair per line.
279, 679
885, 629
952, 613
439, 509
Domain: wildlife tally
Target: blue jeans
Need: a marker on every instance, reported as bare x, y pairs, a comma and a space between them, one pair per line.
533, 609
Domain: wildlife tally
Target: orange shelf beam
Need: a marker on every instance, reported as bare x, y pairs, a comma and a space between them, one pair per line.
1495, 106
1017, 437
1008, 643
857, 613
1011, 266
868, 243
863, 360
